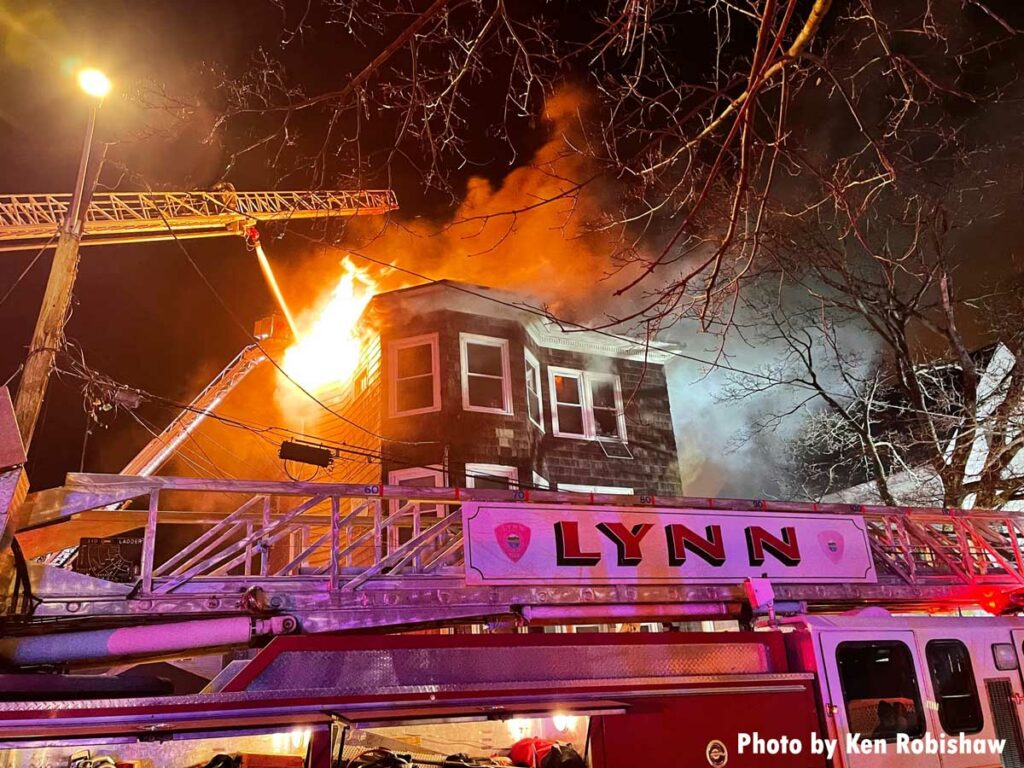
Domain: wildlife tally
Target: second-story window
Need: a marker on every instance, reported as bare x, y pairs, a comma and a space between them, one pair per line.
586, 405
567, 404
486, 383
414, 383
534, 403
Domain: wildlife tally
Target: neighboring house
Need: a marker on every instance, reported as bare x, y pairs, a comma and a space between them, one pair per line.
459, 387
919, 485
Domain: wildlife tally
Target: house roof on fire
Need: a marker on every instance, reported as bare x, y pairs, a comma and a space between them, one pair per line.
542, 327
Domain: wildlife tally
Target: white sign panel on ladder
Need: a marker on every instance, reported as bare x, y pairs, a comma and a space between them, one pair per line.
570, 544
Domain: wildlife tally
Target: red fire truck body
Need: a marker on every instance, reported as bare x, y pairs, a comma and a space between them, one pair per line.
956, 682
706, 721
886, 691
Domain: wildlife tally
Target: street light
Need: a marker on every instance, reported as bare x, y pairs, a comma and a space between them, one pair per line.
97, 85
49, 331
94, 83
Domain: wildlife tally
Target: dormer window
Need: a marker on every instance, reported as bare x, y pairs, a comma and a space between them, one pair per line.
586, 405
486, 380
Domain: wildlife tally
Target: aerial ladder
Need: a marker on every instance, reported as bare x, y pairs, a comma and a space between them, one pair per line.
322, 554
30, 221
41, 221
159, 450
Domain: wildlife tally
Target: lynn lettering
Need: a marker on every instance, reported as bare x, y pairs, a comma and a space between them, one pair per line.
680, 541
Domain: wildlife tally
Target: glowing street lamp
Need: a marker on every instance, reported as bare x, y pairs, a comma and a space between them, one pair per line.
48, 333
94, 83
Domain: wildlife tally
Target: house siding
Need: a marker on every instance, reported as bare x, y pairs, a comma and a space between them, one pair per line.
454, 437
361, 402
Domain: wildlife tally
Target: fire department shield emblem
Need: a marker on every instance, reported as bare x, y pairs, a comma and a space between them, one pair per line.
832, 545
513, 538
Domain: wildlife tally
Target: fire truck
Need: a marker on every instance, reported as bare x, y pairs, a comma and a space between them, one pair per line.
827, 654
858, 690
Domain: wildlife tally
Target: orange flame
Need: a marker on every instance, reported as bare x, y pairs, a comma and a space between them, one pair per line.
328, 351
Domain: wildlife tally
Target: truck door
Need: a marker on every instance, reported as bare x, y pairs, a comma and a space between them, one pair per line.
873, 690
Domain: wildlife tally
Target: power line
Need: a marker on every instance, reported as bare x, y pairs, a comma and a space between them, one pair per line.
523, 306
27, 269
152, 431
260, 430
283, 372
540, 312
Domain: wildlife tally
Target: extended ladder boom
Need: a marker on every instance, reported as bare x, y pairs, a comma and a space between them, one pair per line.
349, 556
123, 216
161, 447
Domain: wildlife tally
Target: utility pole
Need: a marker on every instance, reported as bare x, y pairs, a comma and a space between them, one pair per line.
49, 332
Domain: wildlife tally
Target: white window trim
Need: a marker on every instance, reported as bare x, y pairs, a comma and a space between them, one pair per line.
530, 359
435, 362
587, 401
506, 372
612, 490
411, 473
540, 482
578, 375
620, 408
492, 470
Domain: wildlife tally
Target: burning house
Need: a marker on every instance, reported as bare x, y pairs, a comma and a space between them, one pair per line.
459, 385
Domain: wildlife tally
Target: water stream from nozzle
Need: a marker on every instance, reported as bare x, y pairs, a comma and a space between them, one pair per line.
268, 274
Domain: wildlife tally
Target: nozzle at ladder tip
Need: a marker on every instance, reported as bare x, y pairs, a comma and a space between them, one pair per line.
268, 274
273, 329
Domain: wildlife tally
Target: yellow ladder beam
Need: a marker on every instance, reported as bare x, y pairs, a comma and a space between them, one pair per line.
115, 215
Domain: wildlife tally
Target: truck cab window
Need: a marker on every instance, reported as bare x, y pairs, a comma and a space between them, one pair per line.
880, 689
956, 692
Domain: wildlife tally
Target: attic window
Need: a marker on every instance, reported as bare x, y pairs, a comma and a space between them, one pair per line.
586, 405
486, 382
415, 386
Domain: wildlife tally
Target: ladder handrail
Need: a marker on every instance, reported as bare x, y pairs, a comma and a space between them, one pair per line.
139, 486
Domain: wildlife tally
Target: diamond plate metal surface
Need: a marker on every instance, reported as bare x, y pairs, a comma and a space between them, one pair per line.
356, 672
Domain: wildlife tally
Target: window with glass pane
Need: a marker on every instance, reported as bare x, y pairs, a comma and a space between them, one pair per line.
414, 376
956, 691
605, 404
414, 518
485, 374
569, 404
586, 405
492, 476
880, 689
533, 401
